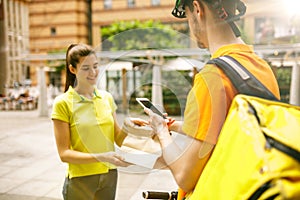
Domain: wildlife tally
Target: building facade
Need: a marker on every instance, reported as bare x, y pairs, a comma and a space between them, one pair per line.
14, 37
56, 24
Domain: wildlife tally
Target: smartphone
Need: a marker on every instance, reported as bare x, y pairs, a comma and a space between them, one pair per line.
146, 103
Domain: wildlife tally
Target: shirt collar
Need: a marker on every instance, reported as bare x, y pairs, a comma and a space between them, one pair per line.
78, 98
97, 93
228, 49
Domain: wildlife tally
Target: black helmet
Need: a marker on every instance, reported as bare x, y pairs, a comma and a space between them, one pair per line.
179, 12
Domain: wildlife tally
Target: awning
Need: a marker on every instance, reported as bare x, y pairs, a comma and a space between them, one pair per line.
118, 66
183, 64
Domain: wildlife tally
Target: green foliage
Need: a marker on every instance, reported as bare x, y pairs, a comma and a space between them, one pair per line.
284, 76
60, 68
57, 64
178, 85
132, 35
137, 35
245, 37
175, 88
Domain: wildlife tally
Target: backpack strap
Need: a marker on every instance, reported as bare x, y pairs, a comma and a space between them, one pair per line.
244, 82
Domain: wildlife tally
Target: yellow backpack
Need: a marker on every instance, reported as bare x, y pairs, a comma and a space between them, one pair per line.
257, 155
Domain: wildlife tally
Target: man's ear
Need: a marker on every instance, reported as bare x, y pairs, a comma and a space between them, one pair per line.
198, 8
72, 69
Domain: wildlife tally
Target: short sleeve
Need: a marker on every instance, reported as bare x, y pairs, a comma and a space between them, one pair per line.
207, 106
60, 110
112, 103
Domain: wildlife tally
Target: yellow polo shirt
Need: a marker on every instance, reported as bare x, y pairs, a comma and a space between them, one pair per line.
91, 127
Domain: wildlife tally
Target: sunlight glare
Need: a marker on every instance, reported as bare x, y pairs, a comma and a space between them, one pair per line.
292, 6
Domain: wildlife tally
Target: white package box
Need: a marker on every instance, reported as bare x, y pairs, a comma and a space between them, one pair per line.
138, 157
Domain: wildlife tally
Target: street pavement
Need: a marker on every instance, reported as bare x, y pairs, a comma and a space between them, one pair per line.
31, 169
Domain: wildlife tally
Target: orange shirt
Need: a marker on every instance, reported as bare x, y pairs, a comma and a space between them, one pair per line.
209, 100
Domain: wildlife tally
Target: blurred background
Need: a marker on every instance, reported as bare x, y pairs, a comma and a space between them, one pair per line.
143, 50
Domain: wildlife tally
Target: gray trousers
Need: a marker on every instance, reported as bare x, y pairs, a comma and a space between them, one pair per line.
94, 187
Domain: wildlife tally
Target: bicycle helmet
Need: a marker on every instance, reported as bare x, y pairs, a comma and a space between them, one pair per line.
179, 12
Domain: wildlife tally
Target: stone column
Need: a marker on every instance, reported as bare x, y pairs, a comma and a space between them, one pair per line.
124, 90
295, 85
157, 98
42, 87
3, 50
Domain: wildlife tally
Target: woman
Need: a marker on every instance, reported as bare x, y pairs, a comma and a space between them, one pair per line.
86, 128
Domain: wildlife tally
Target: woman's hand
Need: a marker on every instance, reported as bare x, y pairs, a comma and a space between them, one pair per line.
139, 121
113, 158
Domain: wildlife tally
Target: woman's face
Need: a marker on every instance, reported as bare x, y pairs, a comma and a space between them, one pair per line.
87, 70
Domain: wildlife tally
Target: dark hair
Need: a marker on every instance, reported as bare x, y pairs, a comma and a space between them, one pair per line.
229, 5
189, 3
73, 55
224, 9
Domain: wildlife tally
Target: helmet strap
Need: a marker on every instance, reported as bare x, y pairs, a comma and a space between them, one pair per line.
228, 17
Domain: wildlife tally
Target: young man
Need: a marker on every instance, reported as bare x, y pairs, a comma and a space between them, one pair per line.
212, 24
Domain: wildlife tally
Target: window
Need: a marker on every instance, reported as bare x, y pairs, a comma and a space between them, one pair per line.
107, 4
274, 29
131, 3
1, 10
155, 2
52, 31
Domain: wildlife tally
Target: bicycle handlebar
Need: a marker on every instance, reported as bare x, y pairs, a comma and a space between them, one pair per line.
160, 195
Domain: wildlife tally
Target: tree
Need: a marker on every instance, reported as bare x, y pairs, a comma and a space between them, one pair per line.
135, 35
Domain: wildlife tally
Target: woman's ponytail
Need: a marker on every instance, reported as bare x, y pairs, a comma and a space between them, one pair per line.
73, 55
